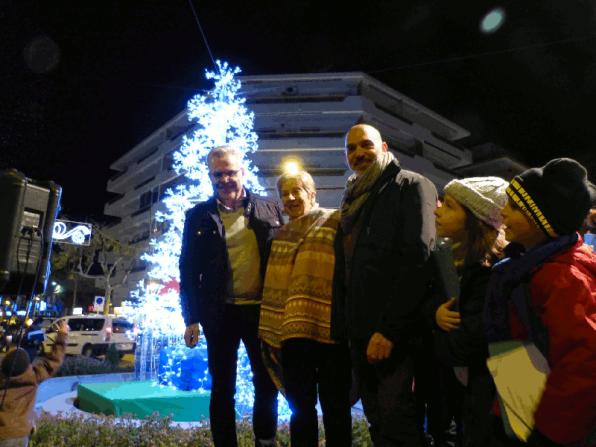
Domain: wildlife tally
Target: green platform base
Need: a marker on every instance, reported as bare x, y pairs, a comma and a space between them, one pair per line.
142, 399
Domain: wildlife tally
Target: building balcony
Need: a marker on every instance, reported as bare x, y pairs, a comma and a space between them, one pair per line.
118, 174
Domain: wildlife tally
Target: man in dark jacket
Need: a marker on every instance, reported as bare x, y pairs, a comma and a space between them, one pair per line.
222, 265
382, 271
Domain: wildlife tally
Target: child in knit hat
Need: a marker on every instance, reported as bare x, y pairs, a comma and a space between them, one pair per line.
470, 216
19, 380
547, 295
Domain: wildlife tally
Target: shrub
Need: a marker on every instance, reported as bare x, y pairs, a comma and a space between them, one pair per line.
113, 356
106, 431
78, 366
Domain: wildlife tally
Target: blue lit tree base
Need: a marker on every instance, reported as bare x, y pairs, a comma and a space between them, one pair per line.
186, 369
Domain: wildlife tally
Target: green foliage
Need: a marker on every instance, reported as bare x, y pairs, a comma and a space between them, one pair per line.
106, 431
99, 261
113, 356
360, 434
80, 366
61, 258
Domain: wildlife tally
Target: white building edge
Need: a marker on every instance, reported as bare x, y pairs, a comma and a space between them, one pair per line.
303, 116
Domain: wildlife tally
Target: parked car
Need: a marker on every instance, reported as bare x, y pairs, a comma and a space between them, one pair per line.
35, 335
91, 335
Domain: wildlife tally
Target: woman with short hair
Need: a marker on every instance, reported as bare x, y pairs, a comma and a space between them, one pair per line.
296, 314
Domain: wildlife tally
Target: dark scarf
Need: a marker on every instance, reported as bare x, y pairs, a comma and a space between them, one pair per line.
508, 283
358, 190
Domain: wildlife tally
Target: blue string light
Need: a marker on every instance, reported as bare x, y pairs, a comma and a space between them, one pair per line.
220, 117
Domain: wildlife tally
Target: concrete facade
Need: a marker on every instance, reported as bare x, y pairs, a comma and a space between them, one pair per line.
302, 117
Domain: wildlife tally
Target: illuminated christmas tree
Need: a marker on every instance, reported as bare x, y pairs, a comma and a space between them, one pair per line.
221, 117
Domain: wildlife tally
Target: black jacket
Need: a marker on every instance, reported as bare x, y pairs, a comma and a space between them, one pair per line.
466, 346
204, 264
390, 263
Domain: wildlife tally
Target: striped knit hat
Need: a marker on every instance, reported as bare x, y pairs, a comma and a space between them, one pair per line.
556, 196
484, 196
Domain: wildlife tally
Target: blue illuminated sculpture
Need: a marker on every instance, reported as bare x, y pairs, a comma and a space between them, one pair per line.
220, 117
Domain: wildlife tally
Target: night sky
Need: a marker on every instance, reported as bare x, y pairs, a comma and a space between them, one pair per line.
81, 82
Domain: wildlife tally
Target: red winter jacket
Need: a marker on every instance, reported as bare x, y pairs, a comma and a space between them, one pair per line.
563, 295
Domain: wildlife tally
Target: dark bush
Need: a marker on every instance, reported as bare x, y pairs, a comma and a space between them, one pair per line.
113, 356
106, 431
79, 365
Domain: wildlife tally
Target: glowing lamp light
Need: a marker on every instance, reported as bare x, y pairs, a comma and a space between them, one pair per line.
291, 167
492, 21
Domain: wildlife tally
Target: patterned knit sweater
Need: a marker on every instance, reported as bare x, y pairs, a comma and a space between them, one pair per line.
298, 283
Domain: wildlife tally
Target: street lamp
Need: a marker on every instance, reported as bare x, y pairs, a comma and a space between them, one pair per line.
291, 166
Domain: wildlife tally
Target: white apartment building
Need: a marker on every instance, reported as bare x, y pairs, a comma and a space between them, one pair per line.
302, 116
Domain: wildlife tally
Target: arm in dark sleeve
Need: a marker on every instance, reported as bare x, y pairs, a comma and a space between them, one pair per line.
188, 302
338, 303
280, 216
413, 266
275, 213
46, 366
466, 345
431, 301
274, 231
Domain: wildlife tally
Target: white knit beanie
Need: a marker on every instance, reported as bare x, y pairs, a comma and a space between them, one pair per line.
485, 197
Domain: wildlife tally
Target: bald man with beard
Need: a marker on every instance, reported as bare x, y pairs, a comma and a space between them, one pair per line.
382, 271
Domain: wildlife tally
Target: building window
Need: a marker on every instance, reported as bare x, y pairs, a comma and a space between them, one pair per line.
149, 197
145, 200
144, 182
168, 162
147, 155
171, 184
174, 132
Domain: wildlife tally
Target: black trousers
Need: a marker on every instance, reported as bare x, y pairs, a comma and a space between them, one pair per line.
386, 390
238, 323
439, 397
307, 366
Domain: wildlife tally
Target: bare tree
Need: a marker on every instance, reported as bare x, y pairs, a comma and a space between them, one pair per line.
101, 260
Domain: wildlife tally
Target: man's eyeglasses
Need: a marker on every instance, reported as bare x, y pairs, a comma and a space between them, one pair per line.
218, 175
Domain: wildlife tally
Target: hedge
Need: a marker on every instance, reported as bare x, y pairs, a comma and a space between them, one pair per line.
106, 431
79, 366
